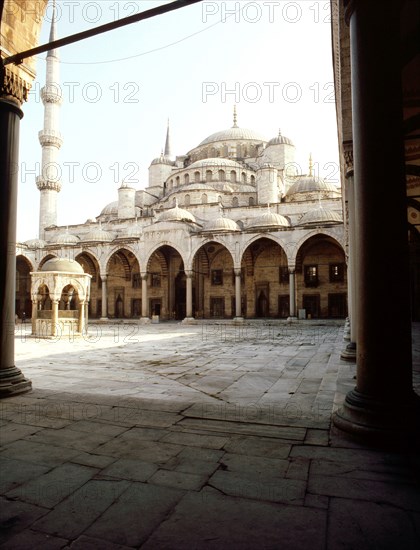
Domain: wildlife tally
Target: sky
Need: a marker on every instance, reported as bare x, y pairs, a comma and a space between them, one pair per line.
272, 59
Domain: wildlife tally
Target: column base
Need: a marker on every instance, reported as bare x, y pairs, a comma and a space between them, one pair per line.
13, 382
188, 321
103, 319
292, 319
144, 321
239, 320
384, 423
349, 353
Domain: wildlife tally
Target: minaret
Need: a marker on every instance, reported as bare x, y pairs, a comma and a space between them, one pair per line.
48, 182
168, 148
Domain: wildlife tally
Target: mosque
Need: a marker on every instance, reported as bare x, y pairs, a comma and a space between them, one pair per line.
227, 230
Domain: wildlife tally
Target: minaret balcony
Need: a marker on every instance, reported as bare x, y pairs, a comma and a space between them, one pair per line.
52, 93
45, 184
50, 137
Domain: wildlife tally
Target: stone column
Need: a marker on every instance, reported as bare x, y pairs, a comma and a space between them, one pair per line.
54, 318
349, 352
292, 293
34, 315
144, 299
189, 311
104, 313
86, 315
383, 406
12, 381
238, 304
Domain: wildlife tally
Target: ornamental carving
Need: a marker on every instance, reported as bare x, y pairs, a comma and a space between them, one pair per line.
14, 87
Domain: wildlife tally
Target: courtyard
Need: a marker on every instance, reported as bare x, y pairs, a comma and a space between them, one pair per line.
209, 435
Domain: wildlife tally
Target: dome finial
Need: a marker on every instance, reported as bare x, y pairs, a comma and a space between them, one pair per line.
176, 202
235, 117
279, 132
311, 165
268, 208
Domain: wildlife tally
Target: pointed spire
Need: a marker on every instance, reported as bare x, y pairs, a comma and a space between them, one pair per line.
279, 132
311, 165
168, 152
269, 208
235, 118
53, 30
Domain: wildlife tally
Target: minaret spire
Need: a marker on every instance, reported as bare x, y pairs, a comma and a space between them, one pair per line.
168, 149
48, 181
311, 165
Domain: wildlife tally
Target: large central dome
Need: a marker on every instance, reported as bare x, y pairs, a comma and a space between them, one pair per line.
235, 133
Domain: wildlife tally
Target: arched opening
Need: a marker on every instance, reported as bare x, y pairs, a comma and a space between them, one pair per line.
233, 176
69, 300
235, 201
321, 278
90, 265
187, 200
213, 282
204, 198
197, 177
23, 303
222, 175
209, 175
123, 286
186, 179
166, 284
266, 279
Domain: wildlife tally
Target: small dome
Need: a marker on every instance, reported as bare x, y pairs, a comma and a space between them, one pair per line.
110, 209
99, 235
320, 216
176, 214
162, 160
269, 219
311, 184
66, 238
135, 231
62, 264
221, 224
280, 140
35, 243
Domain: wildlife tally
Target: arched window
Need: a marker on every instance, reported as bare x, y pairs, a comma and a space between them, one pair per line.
243, 176
252, 180
251, 201
219, 199
238, 150
204, 198
177, 181
233, 176
235, 201
212, 152
197, 177
225, 151
186, 178
209, 175
222, 175
187, 200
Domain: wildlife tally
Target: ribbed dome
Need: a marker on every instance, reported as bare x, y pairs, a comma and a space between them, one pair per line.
176, 214
162, 160
320, 216
280, 140
221, 163
35, 243
311, 184
221, 224
66, 238
99, 235
235, 133
269, 219
62, 264
110, 209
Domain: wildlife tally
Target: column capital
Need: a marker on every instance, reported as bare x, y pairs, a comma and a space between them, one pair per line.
189, 273
348, 158
349, 6
103, 276
13, 87
238, 271
144, 275
292, 269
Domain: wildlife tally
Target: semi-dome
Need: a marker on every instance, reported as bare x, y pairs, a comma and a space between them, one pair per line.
62, 264
66, 238
311, 184
234, 134
321, 216
269, 219
218, 162
110, 209
280, 140
221, 224
99, 235
176, 214
35, 243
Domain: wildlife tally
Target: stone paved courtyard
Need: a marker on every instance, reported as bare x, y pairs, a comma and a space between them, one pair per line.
196, 436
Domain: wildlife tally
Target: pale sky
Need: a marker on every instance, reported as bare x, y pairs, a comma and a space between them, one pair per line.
270, 58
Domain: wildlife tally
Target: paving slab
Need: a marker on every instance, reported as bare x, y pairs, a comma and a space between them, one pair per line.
218, 522
31, 540
16, 516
